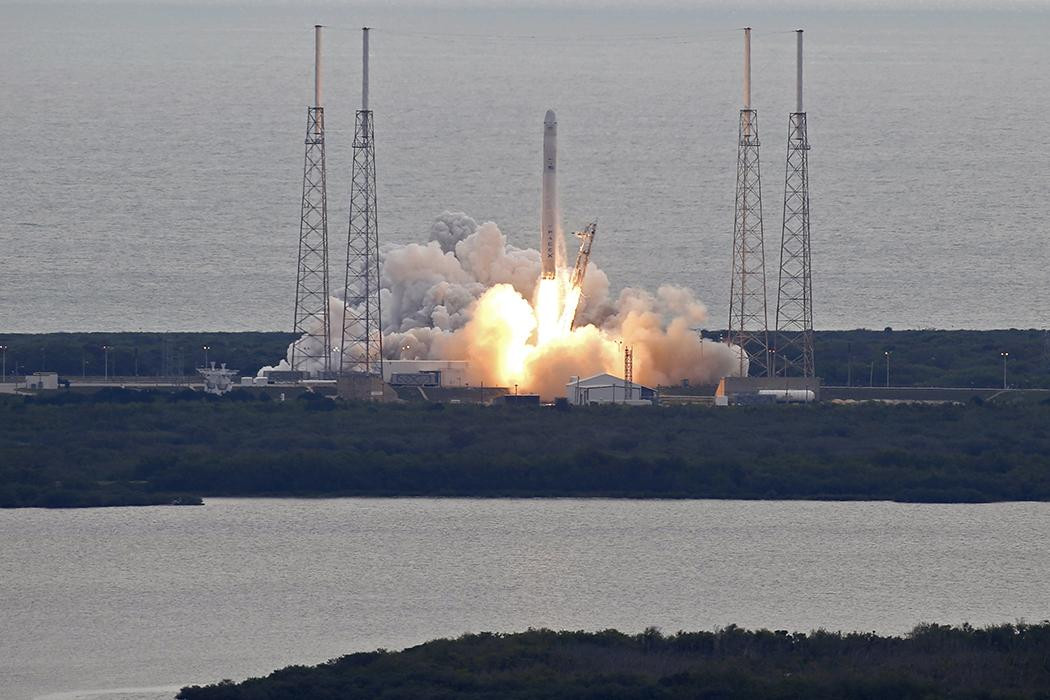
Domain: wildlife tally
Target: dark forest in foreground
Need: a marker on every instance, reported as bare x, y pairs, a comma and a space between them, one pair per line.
960, 358
932, 662
128, 447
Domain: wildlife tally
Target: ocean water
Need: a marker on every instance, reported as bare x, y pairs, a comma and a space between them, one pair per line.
123, 598
151, 152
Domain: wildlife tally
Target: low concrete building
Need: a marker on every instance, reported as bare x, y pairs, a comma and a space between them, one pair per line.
444, 373
606, 388
364, 387
43, 381
521, 399
284, 376
755, 390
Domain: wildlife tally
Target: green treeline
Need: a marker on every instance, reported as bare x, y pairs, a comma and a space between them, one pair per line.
917, 358
121, 446
932, 662
934, 358
74, 355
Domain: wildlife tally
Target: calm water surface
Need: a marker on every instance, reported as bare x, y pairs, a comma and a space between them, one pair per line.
147, 597
151, 150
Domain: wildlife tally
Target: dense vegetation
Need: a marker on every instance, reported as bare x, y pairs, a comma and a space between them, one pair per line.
918, 358
934, 358
932, 662
140, 354
116, 445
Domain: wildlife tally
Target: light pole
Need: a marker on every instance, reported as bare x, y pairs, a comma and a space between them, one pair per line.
887, 353
849, 364
105, 350
206, 349
1004, 356
3, 350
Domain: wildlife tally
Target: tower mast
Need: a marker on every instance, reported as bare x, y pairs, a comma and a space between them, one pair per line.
794, 320
362, 332
748, 316
311, 352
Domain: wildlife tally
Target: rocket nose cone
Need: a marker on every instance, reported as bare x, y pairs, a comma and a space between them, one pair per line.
548, 120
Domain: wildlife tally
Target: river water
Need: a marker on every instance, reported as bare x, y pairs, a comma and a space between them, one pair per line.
157, 597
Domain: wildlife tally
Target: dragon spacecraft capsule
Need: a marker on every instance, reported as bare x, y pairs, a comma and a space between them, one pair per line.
549, 204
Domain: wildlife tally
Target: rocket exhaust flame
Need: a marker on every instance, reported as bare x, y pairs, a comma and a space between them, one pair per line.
548, 309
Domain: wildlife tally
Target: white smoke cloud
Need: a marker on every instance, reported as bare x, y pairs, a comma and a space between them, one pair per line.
466, 294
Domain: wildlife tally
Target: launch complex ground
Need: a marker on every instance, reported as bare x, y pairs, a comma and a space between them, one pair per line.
530, 319
858, 364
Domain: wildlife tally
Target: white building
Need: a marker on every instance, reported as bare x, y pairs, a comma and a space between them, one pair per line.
605, 388
42, 380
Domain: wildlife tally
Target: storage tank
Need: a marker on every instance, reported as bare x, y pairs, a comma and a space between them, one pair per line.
789, 395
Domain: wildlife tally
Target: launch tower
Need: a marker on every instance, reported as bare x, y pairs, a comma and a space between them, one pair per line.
311, 288
794, 321
362, 333
748, 317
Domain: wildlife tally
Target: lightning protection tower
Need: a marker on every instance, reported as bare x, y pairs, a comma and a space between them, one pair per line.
794, 322
748, 317
312, 321
362, 333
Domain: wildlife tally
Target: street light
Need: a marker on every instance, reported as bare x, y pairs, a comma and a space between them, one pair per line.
1004, 356
206, 349
849, 364
887, 354
3, 350
106, 349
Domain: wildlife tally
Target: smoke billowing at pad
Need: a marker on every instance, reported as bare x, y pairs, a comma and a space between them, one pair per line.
466, 294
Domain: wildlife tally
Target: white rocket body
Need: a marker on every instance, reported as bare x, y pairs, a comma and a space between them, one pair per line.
549, 203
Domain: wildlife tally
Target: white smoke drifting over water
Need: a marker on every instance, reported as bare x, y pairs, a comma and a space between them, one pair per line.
468, 295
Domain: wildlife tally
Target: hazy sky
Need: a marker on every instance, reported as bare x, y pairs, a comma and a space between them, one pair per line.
646, 5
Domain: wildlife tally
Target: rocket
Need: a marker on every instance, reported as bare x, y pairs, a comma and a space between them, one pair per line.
549, 203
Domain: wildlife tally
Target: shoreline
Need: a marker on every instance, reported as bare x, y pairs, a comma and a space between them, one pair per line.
731, 663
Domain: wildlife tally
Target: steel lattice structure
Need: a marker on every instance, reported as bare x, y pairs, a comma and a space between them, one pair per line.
794, 321
748, 317
311, 352
362, 344
628, 373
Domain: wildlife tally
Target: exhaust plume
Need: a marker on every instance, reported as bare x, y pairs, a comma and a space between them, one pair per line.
467, 294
